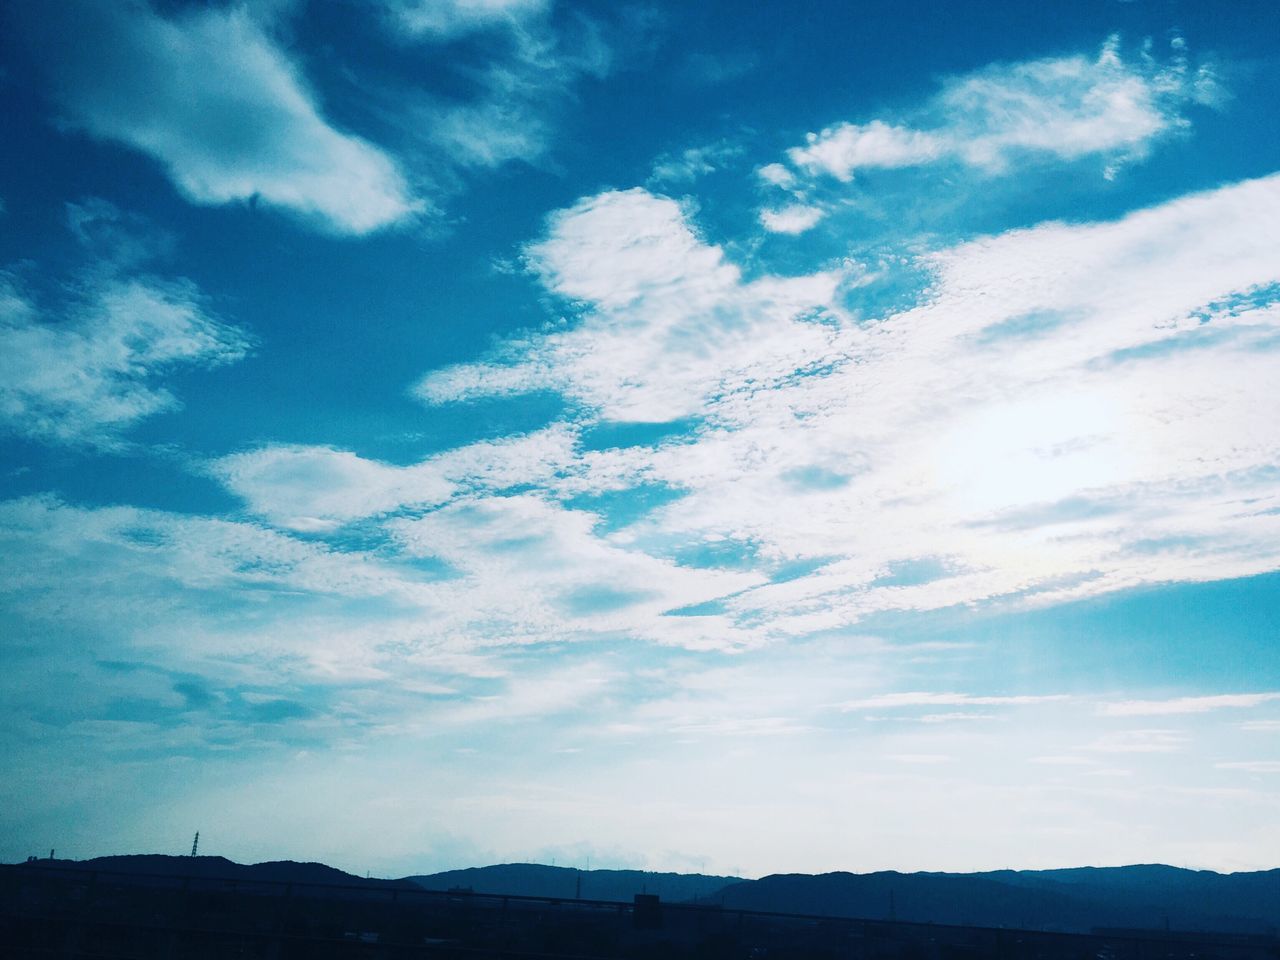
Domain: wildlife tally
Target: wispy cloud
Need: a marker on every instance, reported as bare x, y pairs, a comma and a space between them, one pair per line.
192, 592
453, 18
1138, 741
530, 571
1186, 705
505, 105
1064, 108
1067, 412
319, 488
687, 165
87, 360
893, 701
1251, 766
95, 374
211, 98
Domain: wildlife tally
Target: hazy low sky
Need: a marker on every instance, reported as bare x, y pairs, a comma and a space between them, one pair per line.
725, 437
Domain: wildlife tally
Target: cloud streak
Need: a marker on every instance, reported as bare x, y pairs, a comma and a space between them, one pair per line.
210, 97
1063, 108
1187, 705
94, 374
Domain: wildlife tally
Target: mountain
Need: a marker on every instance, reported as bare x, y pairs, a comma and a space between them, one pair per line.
220, 868
1249, 902
537, 880
1078, 900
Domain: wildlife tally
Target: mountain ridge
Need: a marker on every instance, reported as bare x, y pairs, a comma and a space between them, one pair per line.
1068, 900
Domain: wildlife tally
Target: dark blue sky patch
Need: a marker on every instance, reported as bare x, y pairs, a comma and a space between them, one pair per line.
621, 508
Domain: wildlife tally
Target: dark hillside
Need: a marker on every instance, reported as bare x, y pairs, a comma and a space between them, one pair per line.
538, 880
1148, 896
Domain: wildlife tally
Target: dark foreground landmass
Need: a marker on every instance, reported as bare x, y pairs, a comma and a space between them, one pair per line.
1078, 900
205, 907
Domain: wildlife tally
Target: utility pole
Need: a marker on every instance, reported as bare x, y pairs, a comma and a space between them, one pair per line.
195, 843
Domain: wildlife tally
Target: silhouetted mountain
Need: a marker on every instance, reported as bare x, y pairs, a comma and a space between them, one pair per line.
1218, 901
1145, 896
537, 880
276, 871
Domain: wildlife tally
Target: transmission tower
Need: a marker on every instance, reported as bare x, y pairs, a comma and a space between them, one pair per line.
195, 843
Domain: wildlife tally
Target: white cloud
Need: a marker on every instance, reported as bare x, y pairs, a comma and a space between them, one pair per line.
1251, 766
447, 19
194, 552
509, 101
663, 312
91, 375
1138, 741
203, 594
1062, 760
532, 571
210, 97
1186, 705
1071, 410
312, 488
956, 717
692, 163
1063, 108
316, 488
777, 175
794, 219
893, 701
921, 758
842, 149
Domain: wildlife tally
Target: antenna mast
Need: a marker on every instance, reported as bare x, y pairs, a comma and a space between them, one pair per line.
195, 843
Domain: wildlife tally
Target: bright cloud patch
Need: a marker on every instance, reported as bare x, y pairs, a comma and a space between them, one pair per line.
1064, 108
1073, 409
794, 219
841, 150
182, 590
668, 322
93, 374
211, 98
319, 488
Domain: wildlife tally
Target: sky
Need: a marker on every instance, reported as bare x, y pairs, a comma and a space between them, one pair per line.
702, 437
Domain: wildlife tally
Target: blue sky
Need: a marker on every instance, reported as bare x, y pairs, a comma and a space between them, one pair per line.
806, 437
